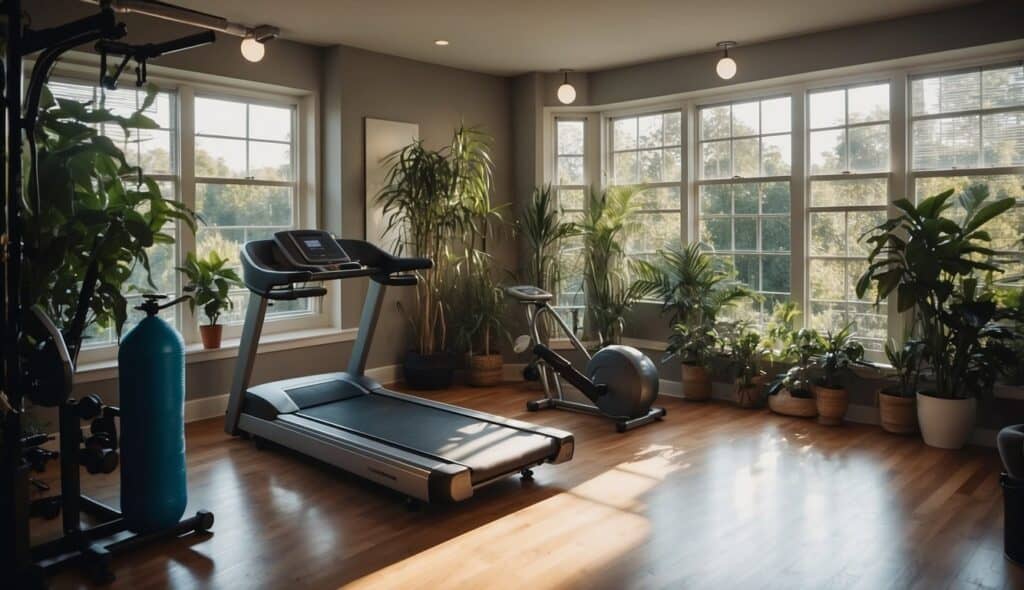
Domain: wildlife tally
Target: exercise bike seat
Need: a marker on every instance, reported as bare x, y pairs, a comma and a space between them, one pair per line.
528, 294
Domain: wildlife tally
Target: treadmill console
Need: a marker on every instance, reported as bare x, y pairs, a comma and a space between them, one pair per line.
313, 249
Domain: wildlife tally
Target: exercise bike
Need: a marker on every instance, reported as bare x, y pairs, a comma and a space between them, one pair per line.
620, 381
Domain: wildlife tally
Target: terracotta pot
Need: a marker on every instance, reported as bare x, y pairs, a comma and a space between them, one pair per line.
696, 383
751, 396
484, 370
832, 404
784, 403
896, 413
211, 335
946, 423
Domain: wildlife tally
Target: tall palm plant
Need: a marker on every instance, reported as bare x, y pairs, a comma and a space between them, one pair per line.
692, 288
431, 199
611, 291
544, 229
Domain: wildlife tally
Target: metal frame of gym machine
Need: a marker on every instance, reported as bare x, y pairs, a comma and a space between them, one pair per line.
24, 565
554, 397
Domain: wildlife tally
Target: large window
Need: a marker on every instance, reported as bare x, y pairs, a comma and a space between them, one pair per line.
646, 151
744, 166
245, 182
245, 170
967, 127
849, 156
806, 169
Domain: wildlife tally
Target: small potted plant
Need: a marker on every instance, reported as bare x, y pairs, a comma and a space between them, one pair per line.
695, 347
209, 285
838, 352
693, 289
897, 410
791, 393
746, 351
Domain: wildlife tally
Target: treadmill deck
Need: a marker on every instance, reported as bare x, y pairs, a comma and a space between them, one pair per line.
486, 448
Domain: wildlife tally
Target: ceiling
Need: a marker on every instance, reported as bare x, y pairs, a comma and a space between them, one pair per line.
515, 36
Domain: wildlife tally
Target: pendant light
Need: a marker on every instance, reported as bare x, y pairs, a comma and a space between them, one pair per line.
566, 92
726, 67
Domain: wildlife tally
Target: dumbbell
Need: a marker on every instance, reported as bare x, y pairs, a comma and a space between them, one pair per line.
105, 425
88, 407
98, 460
38, 457
98, 454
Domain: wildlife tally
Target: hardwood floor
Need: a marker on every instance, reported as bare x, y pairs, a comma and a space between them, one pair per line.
713, 497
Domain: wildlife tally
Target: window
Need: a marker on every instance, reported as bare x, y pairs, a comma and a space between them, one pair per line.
745, 157
245, 182
571, 189
849, 156
967, 127
155, 150
646, 151
244, 159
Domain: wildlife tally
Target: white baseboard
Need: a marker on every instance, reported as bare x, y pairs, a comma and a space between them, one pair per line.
214, 406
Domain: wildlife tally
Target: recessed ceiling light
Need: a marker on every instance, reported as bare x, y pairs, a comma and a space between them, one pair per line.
441, 42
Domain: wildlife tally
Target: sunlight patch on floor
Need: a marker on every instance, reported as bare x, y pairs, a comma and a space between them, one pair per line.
588, 526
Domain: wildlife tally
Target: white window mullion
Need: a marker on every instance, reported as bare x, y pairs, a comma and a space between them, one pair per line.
798, 215
900, 185
186, 239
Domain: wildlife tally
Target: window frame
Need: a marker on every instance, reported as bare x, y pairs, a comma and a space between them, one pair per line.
566, 308
810, 178
608, 153
699, 182
325, 313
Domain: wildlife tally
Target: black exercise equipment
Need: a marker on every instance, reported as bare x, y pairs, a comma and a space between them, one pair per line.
38, 359
620, 381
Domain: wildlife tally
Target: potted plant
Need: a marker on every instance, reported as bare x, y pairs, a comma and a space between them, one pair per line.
102, 218
930, 257
792, 392
430, 199
610, 288
897, 408
481, 321
209, 287
746, 351
693, 290
838, 352
695, 346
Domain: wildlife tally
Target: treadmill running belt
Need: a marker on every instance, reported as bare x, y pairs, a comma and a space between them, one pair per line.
487, 449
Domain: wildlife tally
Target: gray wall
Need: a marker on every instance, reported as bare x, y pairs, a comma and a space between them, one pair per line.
967, 26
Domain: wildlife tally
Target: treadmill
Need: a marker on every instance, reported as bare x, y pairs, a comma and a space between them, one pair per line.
427, 450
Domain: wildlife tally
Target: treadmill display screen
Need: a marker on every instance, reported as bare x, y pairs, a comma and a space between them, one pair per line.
313, 244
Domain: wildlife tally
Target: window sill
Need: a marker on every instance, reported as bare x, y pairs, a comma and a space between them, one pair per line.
195, 353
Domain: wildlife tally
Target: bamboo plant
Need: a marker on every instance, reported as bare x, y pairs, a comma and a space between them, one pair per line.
432, 199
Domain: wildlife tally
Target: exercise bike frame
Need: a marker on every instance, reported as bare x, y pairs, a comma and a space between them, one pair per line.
554, 396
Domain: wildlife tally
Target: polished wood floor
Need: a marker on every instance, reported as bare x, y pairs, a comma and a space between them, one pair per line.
713, 497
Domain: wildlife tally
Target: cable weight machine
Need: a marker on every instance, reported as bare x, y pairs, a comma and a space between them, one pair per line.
42, 372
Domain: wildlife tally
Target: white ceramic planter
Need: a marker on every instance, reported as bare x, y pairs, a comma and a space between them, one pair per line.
946, 423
